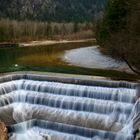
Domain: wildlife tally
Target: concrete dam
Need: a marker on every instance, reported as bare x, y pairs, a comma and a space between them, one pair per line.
37, 106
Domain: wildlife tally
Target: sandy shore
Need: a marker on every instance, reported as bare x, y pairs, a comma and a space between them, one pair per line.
51, 42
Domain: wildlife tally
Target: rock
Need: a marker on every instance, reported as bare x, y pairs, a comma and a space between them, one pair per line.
3, 131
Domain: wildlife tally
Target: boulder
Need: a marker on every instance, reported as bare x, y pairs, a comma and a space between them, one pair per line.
3, 131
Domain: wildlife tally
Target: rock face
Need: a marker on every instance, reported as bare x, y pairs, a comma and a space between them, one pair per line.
138, 136
3, 131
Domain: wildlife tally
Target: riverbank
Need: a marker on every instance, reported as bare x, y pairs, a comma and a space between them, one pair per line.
43, 43
8, 45
53, 42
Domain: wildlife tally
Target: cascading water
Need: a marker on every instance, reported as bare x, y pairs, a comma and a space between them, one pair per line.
34, 108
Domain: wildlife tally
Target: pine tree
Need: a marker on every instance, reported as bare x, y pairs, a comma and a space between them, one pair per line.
119, 31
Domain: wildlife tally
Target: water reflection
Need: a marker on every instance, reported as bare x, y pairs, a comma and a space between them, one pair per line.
39, 56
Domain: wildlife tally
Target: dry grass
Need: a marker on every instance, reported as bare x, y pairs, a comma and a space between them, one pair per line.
24, 31
76, 36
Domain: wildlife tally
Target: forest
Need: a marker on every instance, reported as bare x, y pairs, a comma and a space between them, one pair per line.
27, 20
52, 10
118, 32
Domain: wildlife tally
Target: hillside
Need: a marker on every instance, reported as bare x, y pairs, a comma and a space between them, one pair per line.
52, 10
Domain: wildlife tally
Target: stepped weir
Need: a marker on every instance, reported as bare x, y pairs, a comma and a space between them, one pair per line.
49, 107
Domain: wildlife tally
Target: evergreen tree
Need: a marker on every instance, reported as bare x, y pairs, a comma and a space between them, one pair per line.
118, 31
52, 10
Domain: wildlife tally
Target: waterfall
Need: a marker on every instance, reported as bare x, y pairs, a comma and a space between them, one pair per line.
38, 108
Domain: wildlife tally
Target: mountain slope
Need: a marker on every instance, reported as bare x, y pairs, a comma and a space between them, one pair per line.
53, 10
